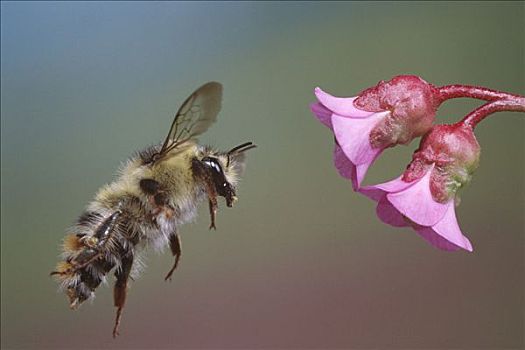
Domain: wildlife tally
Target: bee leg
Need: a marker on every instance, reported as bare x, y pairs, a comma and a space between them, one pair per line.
175, 246
203, 176
120, 290
213, 211
212, 201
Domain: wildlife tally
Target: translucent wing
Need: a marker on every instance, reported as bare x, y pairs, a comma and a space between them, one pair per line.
194, 117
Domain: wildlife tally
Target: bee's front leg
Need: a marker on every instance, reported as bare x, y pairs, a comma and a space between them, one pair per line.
212, 201
203, 176
213, 212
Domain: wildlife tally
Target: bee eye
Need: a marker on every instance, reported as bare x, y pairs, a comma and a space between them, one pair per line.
213, 163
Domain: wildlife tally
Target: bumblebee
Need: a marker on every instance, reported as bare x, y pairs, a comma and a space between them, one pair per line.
156, 191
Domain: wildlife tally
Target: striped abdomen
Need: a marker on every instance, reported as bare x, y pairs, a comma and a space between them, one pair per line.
99, 244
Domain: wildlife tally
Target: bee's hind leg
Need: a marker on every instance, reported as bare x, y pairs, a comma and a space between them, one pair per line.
176, 250
120, 290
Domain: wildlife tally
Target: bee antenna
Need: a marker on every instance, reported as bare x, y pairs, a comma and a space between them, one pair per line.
239, 149
236, 148
246, 148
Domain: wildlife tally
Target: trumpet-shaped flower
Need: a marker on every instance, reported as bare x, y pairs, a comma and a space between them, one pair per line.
353, 153
424, 196
383, 116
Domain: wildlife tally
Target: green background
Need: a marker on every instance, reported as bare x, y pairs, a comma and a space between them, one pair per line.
301, 261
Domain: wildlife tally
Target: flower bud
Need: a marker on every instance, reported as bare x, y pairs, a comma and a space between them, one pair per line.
412, 103
454, 151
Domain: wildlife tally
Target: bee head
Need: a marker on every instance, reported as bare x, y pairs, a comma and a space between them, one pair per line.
225, 170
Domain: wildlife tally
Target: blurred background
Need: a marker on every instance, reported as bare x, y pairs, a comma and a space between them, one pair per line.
301, 261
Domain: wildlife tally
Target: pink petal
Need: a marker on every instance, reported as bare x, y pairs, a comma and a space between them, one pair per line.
343, 165
436, 240
322, 113
341, 105
353, 135
376, 192
417, 204
390, 215
360, 172
448, 228
347, 169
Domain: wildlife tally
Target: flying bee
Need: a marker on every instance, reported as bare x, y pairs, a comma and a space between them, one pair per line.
157, 190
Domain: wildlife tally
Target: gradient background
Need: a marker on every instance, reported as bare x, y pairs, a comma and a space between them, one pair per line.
301, 261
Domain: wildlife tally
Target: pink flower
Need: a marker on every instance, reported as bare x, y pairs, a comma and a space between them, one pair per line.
353, 153
390, 113
424, 196
401, 203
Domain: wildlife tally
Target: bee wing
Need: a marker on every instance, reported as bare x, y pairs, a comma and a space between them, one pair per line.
195, 116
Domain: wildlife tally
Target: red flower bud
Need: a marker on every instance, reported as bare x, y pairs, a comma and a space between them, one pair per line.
412, 103
454, 151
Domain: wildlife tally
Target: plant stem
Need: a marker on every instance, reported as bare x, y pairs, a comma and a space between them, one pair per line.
455, 91
513, 104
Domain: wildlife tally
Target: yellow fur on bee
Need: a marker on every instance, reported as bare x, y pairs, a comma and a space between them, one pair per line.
63, 270
72, 243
